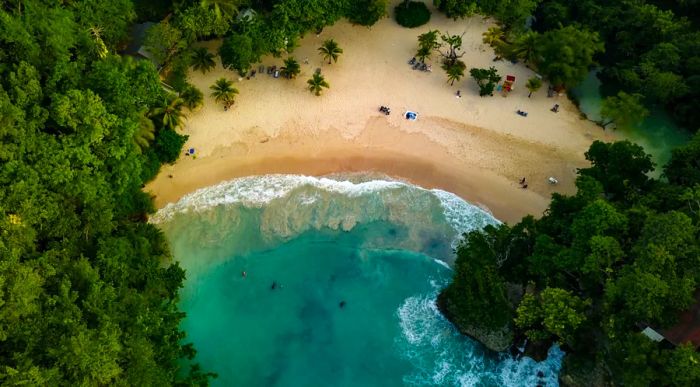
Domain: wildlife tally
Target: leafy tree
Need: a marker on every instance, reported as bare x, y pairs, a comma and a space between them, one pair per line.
455, 72
198, 23
202, 60
565, 55
621, 167
163, 41
192, 97
624, 110
533, 84
477, 294
684, 167
456, 8
291, 68
366, 12
454, 44
486, 79
168, 145
223, 91
237, 53
682, 368
88, 295
553, 312
223, 9
330, 50
170, 113
317, 83
411, 14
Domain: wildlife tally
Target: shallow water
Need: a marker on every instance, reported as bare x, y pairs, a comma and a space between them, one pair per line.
306, 245
657, 133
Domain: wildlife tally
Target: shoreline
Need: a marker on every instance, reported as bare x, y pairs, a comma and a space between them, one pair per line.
476, 148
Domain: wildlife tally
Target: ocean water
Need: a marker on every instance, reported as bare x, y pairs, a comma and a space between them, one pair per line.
302, 281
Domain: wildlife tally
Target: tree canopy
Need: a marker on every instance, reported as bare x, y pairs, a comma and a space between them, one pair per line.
622, 252
88, 290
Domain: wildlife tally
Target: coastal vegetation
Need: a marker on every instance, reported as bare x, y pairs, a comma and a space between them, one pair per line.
533, 84
88, 293
411, 14
317, 83
223, 91
619, 255
650, 48
487, 79
291, 68
330, 50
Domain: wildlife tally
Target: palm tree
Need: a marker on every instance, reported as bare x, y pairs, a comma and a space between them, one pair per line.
291, 68
192, 97
424, 53
223, 91
145, 133
100, 47
317, 83
493, 36
221, 8
454, 71
525, 47
330, 50
533, 84
170, 113
202, 59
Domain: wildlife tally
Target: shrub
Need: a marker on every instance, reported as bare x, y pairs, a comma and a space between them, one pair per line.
169, 145
366, 12
412, 14
237, 53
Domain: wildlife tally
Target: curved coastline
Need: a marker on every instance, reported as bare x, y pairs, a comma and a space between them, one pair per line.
474, 147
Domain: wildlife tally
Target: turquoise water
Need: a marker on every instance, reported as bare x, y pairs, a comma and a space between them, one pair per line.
340, 280
657, 134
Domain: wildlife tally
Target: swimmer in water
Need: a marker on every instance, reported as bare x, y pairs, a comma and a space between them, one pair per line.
342, 304
274, 285
244, 274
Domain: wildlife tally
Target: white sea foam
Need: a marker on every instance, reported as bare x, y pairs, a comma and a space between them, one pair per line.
461, 215
307, 191
441, 356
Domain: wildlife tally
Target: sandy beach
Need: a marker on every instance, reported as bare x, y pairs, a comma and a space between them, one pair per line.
475, 147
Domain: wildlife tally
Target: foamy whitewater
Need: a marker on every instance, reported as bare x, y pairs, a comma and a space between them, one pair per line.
341, 276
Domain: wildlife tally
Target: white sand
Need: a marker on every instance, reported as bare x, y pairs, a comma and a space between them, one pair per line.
476, 147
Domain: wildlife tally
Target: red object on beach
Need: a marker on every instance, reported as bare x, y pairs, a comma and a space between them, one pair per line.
508, 84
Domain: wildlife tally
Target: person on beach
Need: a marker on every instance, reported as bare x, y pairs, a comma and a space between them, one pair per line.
522, 181
459, 94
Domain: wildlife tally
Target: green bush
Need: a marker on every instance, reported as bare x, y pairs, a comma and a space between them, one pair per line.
366, 12
169, 145
412, 14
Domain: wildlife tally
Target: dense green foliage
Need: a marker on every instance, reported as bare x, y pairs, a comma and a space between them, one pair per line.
624, 110
646, 47
623, 251
511, 12
486, 79
87, 296
411, 14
